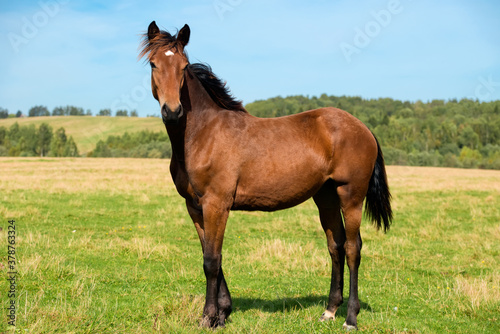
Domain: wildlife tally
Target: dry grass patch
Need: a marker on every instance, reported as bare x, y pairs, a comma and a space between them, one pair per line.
75, 176
478, 292
416, 179
33, 240
144, 247
287, 256
183, 312
32, 263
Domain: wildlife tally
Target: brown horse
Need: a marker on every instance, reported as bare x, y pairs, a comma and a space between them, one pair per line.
226, 159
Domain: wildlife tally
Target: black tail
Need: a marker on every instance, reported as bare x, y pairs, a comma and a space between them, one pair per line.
378, 197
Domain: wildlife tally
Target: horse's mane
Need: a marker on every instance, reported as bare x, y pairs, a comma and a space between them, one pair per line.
163, 40
214, 86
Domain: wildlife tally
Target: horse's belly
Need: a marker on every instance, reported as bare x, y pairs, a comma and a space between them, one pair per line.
270, 195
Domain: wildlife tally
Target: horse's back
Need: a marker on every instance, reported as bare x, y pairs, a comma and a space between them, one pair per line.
354, 146
346, 140
295, 155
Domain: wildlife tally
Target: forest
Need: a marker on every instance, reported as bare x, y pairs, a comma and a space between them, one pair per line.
464, 133
142, 144
451, 133
29, 141
38, 111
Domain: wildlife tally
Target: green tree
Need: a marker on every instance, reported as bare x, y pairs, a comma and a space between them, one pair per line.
58, 143
58, 111
44, 137
470, 158
4, 113
122, 113
68, 111
468, 138
76, 111
70, 149
3, 135
28, 140
104, 112
101, 150
38, 111
14, 134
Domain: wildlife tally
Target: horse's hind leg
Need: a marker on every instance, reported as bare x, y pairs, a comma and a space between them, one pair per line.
351, 199
329, 212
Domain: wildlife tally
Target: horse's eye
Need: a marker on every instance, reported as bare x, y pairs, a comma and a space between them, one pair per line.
152, 64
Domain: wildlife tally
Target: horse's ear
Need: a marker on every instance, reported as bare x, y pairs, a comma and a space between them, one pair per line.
183, 35
153, 30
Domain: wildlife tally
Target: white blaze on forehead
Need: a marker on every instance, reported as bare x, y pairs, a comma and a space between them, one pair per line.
169, 53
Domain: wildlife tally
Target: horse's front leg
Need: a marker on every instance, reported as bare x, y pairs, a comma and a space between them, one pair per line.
224, 301
210, 223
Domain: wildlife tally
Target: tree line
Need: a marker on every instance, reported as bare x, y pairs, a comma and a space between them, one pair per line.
451, 133
38, 111
464, 133
28, 141
142, 144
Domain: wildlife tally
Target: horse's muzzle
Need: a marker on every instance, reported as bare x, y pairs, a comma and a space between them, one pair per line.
171, 116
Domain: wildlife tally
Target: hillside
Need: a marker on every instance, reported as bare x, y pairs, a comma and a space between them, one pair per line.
88, 130
451, 133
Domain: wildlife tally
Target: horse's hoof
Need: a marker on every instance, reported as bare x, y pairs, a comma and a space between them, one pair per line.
223, 317
221, 323
327, 316
349, 327
206, 322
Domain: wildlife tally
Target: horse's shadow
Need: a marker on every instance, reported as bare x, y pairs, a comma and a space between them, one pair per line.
243, 304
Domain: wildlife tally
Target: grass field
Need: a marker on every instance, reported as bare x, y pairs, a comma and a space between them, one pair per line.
87, 131
106, 246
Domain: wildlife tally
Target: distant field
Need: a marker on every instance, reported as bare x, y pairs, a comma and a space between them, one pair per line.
87, 130
106, 246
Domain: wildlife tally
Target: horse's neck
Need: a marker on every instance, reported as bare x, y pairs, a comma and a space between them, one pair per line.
176, 135
198, 110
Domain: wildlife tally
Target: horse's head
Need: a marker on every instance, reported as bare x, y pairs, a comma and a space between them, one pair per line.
168, 63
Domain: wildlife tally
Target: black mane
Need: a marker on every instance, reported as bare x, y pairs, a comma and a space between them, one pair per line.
217, 89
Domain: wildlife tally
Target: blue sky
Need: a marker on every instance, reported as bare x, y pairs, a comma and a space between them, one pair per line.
84, 53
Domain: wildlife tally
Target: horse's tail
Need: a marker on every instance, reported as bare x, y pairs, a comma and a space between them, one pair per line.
378, 197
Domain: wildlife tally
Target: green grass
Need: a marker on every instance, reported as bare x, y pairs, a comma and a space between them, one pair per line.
106, 246
87, 131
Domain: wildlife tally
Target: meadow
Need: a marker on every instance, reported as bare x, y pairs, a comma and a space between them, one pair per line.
106, 246
88, 130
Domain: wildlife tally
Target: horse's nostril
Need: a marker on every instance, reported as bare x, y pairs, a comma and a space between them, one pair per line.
170, 116
179, 111
165, 109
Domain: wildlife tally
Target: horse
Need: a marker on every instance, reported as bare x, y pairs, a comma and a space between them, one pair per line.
224, 159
